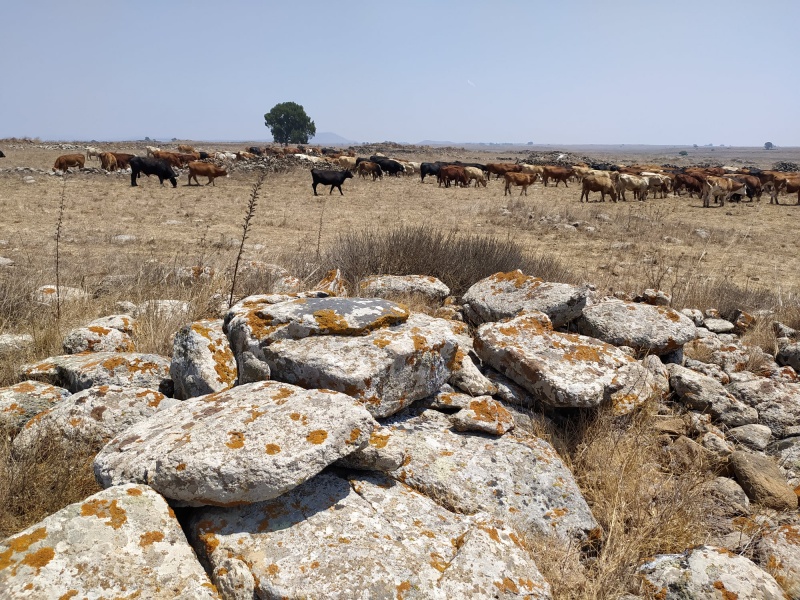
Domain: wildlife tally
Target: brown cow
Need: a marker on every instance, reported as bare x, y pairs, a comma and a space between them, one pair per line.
172, 158
557, 173
367, 167
185, 148
188, 157
520, 179
720, 187
500, 169
598, 182
789, 184
108, 161
451, 173
205, 170
69, 160
123, 159
693, 184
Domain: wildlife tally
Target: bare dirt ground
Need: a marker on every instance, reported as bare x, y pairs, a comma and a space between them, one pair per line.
617, 246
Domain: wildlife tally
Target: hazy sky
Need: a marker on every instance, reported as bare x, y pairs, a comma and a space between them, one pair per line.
551, 72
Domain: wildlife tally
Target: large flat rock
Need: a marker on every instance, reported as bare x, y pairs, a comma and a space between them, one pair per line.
22, 401
202, 361
124, 542
368, 537
499, 475
383, 286
251, 443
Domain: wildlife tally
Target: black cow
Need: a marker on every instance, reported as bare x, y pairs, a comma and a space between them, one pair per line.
2, 155
480, 166
431, 169
152, 166
203, 155
335, 179
253, 150
392, 167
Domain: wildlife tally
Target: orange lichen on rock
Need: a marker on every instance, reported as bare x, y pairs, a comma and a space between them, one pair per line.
236, 441
507, 585
726, 594
25, 387
134, 492
354, 435
317, 436
378, 440
517, 278
273, 449
150, 537
103, 509
273, 569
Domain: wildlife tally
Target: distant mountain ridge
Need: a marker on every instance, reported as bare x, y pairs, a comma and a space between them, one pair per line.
328, 137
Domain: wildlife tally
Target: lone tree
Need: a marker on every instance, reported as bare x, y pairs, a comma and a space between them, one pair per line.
289, 124
769, 146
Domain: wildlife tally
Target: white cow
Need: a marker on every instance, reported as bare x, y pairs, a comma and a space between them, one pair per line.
92, 151
151, 150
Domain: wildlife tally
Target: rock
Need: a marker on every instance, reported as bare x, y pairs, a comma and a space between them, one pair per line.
708, 369
333, 283
123, 239
446, 400
763, 481
499, 475
702, 393
789, 355
125, 307
97, 339
695, 315
21, 402
648, 329
728, 496
560, 369
468, 378
15, 342
754, 436
656, 297
687, 455
78, 372
719, 325
47, 294
787, 452
635, 384
120, 542
163, 309
94, 416
6, 262
485, 415
777, 402
250, 443
779, 551
784, 331
382, 453
505, 295
388, 286
742, 321
252, 369
708, 572
123, 322
367, 537
202, 361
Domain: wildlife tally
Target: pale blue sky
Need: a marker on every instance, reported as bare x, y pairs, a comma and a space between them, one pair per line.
551, 72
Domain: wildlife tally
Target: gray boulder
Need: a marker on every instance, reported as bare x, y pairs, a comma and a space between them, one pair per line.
383, 286
763, 481
702, 393
22, 401
202, 361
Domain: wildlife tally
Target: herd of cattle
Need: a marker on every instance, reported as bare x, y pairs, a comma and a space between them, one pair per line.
720, 184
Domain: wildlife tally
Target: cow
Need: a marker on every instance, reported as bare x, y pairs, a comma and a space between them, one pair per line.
224, 156
500, 169
123, 159
249, 155
474, 173
657, 183
152, 166
347, 162
335, 179
255, 150
69, 160
392, 167
752, 185
682, 180
151, 150
205, 170
450, 173
185, 148
108, 161
639, 186
188, 157
720, 187
91, 151
789, 183
172, 158
2, 155
368, 167
427, 168
532, 169
521, 179
558, 173
598, 182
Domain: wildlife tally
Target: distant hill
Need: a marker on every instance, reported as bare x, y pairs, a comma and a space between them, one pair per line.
328, 137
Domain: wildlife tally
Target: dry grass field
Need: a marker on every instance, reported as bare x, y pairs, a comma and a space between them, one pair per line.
743, 255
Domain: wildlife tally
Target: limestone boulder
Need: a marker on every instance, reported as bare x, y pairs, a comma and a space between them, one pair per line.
718, 325
95, 415
483, 414
389, 286
467, 377
504, 295
15, 342
22, 401
96, 338
499, 475
777, 403
122, 322
250, 443
77, 372
49, 294
366, 537
382, 453
708, 572
779, 551
753, 436
202, 360
762, 480
559, 369
644, 327
703, 393
787, 452
121, 542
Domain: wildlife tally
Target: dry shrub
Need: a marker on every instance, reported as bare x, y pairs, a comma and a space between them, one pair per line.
42, 479
458, 260
642, 504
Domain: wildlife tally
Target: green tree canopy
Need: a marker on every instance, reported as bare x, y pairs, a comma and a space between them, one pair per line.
769, 146
289, 123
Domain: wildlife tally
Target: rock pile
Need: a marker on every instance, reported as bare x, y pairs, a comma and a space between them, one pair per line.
320, 445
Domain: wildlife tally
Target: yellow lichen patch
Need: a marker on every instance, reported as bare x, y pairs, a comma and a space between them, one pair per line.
726, 594
99, 330
489, 411
669, 313
492, 532
317, 436
381, 342
24, 387
329, 321
455, 362
103, 509
507, 585
354, 435
39, 559
260, 325
134, 492
438, 563
68, 594
210, 541
273, 449
180, 467
344, 540
236, 440
517, 278
583, 352
254, 414
402, 588
281, 395
273, 569
22, 542
149, 538
379, 440
556, 513
112, 363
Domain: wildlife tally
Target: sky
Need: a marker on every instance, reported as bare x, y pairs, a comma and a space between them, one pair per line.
552, 72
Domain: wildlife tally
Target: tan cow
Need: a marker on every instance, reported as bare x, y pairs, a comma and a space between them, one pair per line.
172, 158
347, 162
638, 185
476, 174
558, 173
790, 185
69, 160
108, 161
597, 182
185, 148
520, 179
205, 170
366, 167
721, 187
